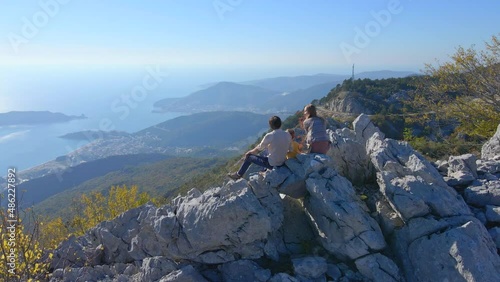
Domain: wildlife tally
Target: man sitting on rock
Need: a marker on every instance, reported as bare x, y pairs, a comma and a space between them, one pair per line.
277, 143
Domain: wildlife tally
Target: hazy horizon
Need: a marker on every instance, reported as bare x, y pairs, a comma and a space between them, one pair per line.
51, 87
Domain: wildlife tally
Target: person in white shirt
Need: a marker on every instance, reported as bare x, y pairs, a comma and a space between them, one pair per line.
277, 142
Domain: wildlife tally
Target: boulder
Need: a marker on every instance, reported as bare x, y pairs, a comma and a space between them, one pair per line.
455, 248
412, 196
309, 267
386, 217
244, 271
349, 157
290, 179
379, 268
410, 183
365, 129
495, 236
333, 271
340, 219
117, 272
212, 227
493, 214
154, 268
491, 149
296, 230
442, 167
348, 151
479, 214
221, 225
462, 170
483, 193
400, 158
491, 167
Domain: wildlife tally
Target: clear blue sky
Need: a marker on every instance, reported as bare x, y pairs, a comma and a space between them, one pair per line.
300, 34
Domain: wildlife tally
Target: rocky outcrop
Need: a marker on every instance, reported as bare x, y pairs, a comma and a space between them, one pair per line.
214, 227
491, 149
342, 221
348, 151
439, 225
373, 209
348, 102
423, 215
478, 181
462, 170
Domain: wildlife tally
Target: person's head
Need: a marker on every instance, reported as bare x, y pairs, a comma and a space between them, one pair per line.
275, 122
310, 111
292, 132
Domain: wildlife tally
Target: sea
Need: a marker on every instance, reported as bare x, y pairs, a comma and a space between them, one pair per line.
111, 97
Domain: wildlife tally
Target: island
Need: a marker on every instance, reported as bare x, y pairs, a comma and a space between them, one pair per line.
34, 118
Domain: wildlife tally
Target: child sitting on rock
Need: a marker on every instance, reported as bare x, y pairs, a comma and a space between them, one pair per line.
296, 147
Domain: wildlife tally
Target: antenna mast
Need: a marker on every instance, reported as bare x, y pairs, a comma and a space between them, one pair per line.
352, 79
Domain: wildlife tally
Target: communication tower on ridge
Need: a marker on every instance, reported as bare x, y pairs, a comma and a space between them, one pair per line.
352, 79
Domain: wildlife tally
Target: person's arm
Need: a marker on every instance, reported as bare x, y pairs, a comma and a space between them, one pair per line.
262, 145
254, 151
301, 121
306, 124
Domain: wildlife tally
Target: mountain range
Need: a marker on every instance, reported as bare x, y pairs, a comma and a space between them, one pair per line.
279, 94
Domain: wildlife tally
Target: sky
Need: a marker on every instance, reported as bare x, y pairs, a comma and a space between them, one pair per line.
303, 35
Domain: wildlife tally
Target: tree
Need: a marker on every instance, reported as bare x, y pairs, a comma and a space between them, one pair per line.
466, 89
21, 256
26, 250
94, 208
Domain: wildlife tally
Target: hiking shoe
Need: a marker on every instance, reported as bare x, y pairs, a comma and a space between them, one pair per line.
234, 176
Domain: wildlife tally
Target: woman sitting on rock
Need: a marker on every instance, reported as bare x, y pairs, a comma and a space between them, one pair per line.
316, 139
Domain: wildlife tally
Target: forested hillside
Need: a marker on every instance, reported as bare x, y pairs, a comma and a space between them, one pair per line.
159, 179
208, 129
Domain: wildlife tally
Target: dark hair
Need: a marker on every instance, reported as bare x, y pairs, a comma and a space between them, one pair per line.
275, 122
291, 132
311, 110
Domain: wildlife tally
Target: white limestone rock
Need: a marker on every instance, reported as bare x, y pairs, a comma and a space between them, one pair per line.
491, 149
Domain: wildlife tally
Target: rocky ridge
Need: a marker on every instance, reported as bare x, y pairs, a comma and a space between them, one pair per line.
373, 209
